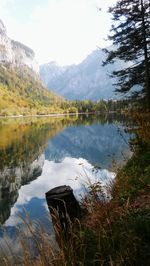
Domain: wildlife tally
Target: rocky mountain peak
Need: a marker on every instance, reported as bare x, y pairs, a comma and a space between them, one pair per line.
87, 80
2, 28
15, 53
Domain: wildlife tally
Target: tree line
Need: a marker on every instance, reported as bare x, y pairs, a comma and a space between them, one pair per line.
102, 106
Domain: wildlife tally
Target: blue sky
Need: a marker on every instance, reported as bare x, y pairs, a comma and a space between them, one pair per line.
65, 31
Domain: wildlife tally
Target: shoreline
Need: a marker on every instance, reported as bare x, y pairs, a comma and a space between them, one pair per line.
56, 115
25, 116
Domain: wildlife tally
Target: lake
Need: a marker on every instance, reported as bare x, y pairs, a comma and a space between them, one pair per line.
38, 154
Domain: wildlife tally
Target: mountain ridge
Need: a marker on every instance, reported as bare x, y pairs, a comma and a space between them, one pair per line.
87, 80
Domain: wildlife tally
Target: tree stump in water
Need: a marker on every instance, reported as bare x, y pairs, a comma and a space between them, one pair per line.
64, 208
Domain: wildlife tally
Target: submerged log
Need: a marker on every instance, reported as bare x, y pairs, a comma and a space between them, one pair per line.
64, 208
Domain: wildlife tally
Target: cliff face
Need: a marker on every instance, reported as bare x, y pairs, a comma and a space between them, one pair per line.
15, 53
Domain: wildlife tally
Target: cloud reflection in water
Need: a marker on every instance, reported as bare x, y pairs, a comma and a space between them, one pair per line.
71, 171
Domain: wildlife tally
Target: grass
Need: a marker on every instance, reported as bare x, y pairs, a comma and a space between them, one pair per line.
109, 235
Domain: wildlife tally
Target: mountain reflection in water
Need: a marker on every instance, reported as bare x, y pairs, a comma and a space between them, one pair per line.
40, 153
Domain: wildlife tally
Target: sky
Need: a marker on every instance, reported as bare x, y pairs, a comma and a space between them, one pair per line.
65, 31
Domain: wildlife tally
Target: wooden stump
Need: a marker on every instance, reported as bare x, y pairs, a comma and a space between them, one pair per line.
64, 208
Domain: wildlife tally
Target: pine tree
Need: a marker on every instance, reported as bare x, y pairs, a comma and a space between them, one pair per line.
130, 34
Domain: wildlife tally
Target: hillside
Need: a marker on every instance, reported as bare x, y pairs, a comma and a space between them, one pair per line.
87, 80
21, 93
21, 90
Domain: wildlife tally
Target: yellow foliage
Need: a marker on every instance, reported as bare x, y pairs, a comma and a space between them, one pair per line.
22, 94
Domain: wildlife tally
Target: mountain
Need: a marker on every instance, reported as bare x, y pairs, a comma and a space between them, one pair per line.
51, 71
88, 143
87, 80
15, 53
21, 89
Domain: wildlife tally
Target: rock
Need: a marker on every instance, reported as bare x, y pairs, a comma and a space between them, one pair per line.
15, 53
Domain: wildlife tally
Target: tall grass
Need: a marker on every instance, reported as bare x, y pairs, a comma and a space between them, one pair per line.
108, 234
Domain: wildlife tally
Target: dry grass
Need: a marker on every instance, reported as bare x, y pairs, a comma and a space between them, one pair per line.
108, 234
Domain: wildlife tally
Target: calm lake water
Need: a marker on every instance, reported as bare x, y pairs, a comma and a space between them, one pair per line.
40, 153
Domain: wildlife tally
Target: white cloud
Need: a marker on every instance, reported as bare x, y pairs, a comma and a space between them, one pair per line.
64, 30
